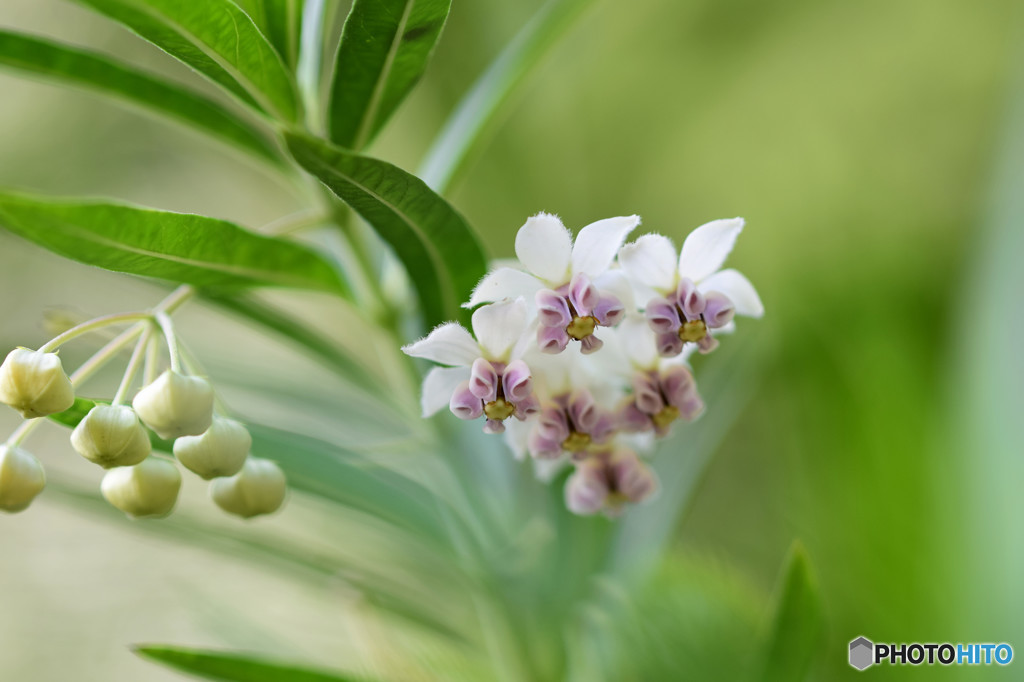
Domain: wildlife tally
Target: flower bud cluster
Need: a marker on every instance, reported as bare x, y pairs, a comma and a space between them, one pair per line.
636, 312
174, 407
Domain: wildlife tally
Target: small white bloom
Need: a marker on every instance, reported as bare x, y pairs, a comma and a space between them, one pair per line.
607, 482
220, 451
149, 489
176, 405
689, 300
111, 436
487, 376
574, 290
259, 488
35, 384
21, 478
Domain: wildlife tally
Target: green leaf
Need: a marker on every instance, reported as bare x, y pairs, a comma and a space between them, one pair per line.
385, 47
323, 349
797, 622
436, 245
466, 128
217, 39
232, 667
279, 21
181, 247
98, 72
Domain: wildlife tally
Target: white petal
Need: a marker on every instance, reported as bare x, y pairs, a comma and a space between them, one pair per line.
449, 344
498, 326
517, 434
544, 246
545, 470
597, 244
438, 386
739, 290
707, 247
504, 283
616, 283
638, 341
650, 262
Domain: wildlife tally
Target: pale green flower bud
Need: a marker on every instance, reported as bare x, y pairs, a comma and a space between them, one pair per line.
176, 405
146, 489
35, 384
221, 451
21, 478
259, 488
111, 436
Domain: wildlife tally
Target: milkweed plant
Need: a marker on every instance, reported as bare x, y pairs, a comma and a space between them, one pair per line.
573, 365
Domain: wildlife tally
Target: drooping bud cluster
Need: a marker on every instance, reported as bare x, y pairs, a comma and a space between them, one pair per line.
594, 407
175, 407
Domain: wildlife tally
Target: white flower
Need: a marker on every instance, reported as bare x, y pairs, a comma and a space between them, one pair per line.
688, 298
111, 436
487, 376
571, 283
21, 478
35, 384
144, 490
259, 488
220, 451
176, 405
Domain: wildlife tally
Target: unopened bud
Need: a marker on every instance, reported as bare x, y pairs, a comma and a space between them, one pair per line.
35, 384
21, 478
146, 489
176, 405
259, 488
221, 451
111, 436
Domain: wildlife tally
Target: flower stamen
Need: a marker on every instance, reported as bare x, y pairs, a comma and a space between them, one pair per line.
581, 327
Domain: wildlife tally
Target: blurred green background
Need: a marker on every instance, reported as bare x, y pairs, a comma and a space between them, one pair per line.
874, 149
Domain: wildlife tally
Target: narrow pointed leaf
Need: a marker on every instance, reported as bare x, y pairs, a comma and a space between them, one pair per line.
436, 245
180, 247
279, 21
466, 128
98, 72
217, 39
797, 622
385, 47
233, 667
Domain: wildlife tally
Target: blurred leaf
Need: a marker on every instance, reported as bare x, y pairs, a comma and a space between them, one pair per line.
796, 628
181, 247
436, 245
279, 21
98, 72
323, 349
229, 667
476, 112
385, 47
218, 40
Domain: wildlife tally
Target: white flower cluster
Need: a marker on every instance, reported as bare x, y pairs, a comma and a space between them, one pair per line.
174, 406
637, 311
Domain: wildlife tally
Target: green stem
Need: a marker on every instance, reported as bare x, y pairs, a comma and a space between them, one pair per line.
134, 364
91, 326
172, 341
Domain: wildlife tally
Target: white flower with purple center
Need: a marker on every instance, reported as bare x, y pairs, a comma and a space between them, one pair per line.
486, 376
691, 299
606, 482
571, 423
571, 282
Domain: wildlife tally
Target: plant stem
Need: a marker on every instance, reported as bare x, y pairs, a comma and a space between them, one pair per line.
91, 326
172, 341
133, 367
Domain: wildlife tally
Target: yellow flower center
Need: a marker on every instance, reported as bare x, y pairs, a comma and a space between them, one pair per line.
499, 409
576, 442
668, 414
694, 330
581, 327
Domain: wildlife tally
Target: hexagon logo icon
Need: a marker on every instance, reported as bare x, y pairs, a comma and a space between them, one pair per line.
862, 653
